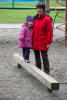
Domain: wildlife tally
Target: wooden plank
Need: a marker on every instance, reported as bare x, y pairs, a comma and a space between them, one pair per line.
40, 75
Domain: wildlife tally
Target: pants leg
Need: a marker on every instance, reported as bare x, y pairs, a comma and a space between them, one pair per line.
37, 58
45, 62
26, 52
23, 51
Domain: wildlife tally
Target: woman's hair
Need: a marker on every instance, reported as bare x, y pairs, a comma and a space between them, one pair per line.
41, 5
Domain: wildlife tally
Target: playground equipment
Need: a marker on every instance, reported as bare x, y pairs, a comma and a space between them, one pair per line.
58, 4
47, 80
42, 1
63, 26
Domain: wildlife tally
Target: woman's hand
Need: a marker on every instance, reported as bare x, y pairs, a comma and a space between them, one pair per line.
48, 46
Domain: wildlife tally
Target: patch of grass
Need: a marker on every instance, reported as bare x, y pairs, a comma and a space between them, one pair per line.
15, 16
18, 4
19, 15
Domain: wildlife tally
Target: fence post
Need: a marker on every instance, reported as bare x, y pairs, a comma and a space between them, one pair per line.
42, 1
12, 3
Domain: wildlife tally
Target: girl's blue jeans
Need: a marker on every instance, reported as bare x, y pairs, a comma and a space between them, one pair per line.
26, 52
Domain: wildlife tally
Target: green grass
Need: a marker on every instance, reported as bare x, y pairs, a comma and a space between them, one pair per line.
19, 16
18, 5
15, 16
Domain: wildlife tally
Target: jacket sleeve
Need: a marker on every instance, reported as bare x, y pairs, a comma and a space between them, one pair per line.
49, 32
22, 34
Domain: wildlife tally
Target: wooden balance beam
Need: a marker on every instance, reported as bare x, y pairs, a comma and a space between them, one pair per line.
47, 80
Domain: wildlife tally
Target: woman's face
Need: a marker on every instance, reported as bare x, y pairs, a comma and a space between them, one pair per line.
40, 11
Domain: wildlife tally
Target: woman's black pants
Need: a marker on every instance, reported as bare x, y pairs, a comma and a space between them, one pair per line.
44, 58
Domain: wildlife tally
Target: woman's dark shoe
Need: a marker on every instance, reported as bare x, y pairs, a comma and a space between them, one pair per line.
49, 90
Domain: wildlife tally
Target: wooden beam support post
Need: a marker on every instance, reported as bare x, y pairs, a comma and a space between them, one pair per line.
66, 26
40, 75
47, 7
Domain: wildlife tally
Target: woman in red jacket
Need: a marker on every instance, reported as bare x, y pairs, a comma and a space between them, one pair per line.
42, 36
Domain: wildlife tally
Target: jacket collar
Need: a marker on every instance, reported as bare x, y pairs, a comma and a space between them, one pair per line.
37, 17
41, 16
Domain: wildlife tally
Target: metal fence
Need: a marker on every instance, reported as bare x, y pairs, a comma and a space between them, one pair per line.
18, 4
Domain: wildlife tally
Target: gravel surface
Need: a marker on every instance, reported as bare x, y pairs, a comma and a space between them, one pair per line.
18, 84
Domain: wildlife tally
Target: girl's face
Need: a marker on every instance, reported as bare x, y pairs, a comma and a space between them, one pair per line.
30, 24
40, 11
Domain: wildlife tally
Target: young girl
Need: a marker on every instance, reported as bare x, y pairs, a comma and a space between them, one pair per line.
25, 38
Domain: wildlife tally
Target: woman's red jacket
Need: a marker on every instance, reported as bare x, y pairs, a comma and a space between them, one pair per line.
42, 32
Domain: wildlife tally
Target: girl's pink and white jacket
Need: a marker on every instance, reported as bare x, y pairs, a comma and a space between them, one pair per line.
25, 37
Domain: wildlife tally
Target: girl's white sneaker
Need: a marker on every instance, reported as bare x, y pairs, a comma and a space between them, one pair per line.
27, 61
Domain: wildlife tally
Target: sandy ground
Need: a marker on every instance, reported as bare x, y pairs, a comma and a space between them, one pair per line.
18, 84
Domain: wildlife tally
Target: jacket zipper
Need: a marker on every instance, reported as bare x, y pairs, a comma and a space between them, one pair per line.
37, 34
